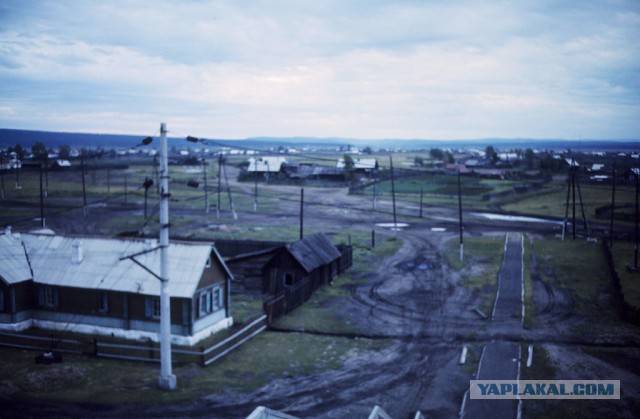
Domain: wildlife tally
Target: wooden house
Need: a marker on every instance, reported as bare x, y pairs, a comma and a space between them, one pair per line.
108, 286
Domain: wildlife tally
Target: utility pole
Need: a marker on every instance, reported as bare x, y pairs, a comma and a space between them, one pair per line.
17, 177
635, 253
84, 188
226, 182
460, 216
219, 183
613, 206
2, 174
42, 223
301, 213
206, 186
255, 180
167, 380
393, 196
573, 198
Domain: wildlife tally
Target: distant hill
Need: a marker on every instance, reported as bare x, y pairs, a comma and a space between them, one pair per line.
11, 137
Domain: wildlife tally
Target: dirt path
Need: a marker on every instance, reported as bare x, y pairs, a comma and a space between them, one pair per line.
500, 360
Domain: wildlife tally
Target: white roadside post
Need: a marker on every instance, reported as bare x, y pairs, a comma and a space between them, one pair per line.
167, 380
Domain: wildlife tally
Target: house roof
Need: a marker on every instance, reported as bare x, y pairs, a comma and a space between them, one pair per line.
305, 170
358, 163
54, 261
14, 266
266, 164
314, 251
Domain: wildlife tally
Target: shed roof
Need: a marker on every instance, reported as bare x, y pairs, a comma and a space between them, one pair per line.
54, 261
314, 251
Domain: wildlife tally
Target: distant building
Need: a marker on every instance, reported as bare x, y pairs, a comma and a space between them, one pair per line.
61, 164
455, 168
364, 164
95, 286
266, 164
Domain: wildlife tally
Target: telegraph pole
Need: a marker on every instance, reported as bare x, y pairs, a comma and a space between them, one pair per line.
301, 213
42, 223
460, 216
219, 183
393, 196
166, 381
613, 206
637, 235
206, 186
255, 180
84, 188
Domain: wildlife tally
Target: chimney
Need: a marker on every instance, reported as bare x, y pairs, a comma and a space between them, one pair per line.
7, 230
76, 255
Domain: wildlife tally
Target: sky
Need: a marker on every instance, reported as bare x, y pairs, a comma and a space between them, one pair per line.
365, 69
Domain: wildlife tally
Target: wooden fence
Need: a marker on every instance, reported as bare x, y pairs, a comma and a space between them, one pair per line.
135, 351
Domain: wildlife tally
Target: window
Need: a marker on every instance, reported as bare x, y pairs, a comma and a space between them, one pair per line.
103, 302
209, 301
1, 300
48, 297
152, 307
217, 299
287, 279
205, 303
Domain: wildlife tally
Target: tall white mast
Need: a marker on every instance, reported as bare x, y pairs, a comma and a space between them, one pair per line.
167, 380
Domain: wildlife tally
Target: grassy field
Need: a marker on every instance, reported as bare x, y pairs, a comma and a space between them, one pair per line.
480, 267
268, 356
555, 197
581, 267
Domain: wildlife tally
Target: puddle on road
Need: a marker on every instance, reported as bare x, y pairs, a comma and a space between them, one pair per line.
415, 265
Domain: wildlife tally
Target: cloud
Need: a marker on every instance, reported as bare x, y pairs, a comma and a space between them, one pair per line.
368, 69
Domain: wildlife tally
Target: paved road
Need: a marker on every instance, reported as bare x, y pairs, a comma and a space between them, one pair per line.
508, 306
501, 360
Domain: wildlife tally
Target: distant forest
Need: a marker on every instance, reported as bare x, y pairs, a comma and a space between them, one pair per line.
11, 137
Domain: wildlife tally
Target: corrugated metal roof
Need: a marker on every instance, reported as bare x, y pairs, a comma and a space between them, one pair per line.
314, 251
52, 261
14, 266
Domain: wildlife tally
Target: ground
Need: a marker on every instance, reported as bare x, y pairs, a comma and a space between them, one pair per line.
410, 316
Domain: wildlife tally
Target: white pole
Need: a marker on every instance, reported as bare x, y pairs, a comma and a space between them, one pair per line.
167, 380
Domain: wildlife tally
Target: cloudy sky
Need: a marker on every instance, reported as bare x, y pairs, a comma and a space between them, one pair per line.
359, 69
